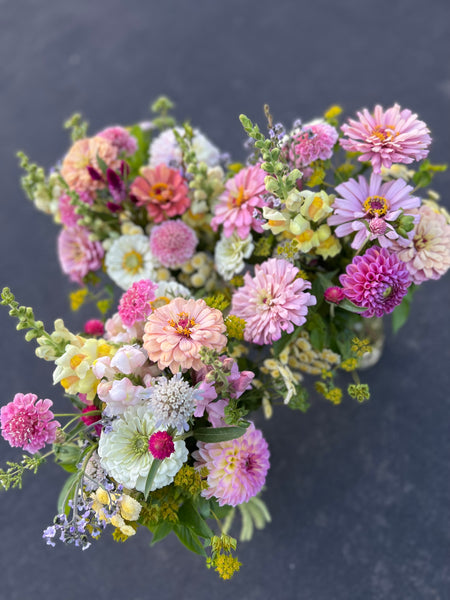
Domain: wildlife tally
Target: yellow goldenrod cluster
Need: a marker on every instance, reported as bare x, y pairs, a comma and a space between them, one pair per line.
360, 347
331, 393
349, 365
167, 499
77, 298
189, 480
318, 174
263, 246
334, 111
198, 272
222, 559
235, 327
237, 281
217, 300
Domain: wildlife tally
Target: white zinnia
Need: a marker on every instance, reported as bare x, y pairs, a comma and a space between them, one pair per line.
172, 289
230, 253
165, 149
129, 260
125, 456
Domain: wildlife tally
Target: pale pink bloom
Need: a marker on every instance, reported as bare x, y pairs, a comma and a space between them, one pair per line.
272, 301
428, 255
236, 207
175, 333
311, 143
119, 394
102, 368
78, 254
237, 469
84, 154
67, 213
387, 137
208, 402
128, 359
173, 243
371, 208
135, 303
120, 138
162, 191
116, 331
28, 423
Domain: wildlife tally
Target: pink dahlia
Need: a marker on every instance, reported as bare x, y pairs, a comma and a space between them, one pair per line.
135, 304
28, 422
120, 138
84, 154
311, 143
236, 469
78, 254
428, 256
175, 333
378, 281
162, 191
387, 137
236, 206
272, 301
173, 243
371, 208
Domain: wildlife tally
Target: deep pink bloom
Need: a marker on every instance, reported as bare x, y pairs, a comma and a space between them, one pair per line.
311, 143
334, 294
173, 243
78, 254
91, 419
272, 301
161, 445
237, 469
371, 208
387, 137
235, 209
135, 304
162, 191
28, 423
94, 327
120, 138
378, 281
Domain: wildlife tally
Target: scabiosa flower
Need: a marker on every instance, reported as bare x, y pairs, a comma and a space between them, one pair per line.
235, 208
387, 137
165, 149
94, 327
78, 254
129, 260
28, 423
172, 401
135, 304
272, 301
230, 252
176, 332
124, 451
162, 191
173, 243
428, 255
237, 469
310, 143
120, 138
378, 281
371, 208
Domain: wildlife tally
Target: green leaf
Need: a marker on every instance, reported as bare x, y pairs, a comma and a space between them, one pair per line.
189, 539
161, 531
318, 331
67, 491
220, 512
401, 312
151, 476
101, 163
190, 517
218, 434
347, 305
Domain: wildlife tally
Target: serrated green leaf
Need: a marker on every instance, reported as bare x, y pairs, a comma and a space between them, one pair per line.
161, 531
189, 516
218, 434
151, 476
189, 539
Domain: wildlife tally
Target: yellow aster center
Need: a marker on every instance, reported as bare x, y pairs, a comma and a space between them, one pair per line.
132, 262
376, 206
183, 324
161, 192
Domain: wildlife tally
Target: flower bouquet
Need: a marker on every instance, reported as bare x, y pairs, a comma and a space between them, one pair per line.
237, 279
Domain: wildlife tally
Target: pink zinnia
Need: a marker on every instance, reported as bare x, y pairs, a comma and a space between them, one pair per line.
78, 254
162, 191
378, 281
387, 137
173, 243
176, 332
428, 256
272, 301
371, 208
28, 422
236, 207
135, 304
237, 469
313, 142
120, 138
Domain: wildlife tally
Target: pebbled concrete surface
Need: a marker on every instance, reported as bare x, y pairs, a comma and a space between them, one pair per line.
359, 494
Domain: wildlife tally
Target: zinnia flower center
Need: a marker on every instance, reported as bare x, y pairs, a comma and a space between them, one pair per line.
183, 325
132, 262
265, 298
420, 242
384, 134
376, 206
140, 444
239, 199
161, 192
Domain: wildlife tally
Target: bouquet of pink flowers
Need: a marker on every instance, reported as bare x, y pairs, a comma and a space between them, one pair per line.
236, 279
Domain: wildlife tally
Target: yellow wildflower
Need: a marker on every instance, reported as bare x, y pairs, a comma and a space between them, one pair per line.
226, 565
349, 365
333, 112
77, 298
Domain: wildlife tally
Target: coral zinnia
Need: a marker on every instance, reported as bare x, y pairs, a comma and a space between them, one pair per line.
162, 191
175, 333
272, 301
237, 469
387, 137
378, 281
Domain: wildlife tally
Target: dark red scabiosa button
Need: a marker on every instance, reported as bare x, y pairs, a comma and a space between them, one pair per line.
161, 445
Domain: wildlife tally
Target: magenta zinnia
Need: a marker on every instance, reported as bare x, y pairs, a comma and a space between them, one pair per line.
272, 301
387, 137
378, 281
237, 469
28, 423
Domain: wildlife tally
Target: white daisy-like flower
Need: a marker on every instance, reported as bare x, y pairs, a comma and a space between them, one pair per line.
165, 149
129, 259
230, 253
124, 452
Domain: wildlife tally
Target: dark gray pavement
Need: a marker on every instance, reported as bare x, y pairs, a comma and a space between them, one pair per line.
359, 495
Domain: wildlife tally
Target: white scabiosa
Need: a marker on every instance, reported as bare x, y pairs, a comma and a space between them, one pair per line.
165, 149
230, 253
129, 259
124, 451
